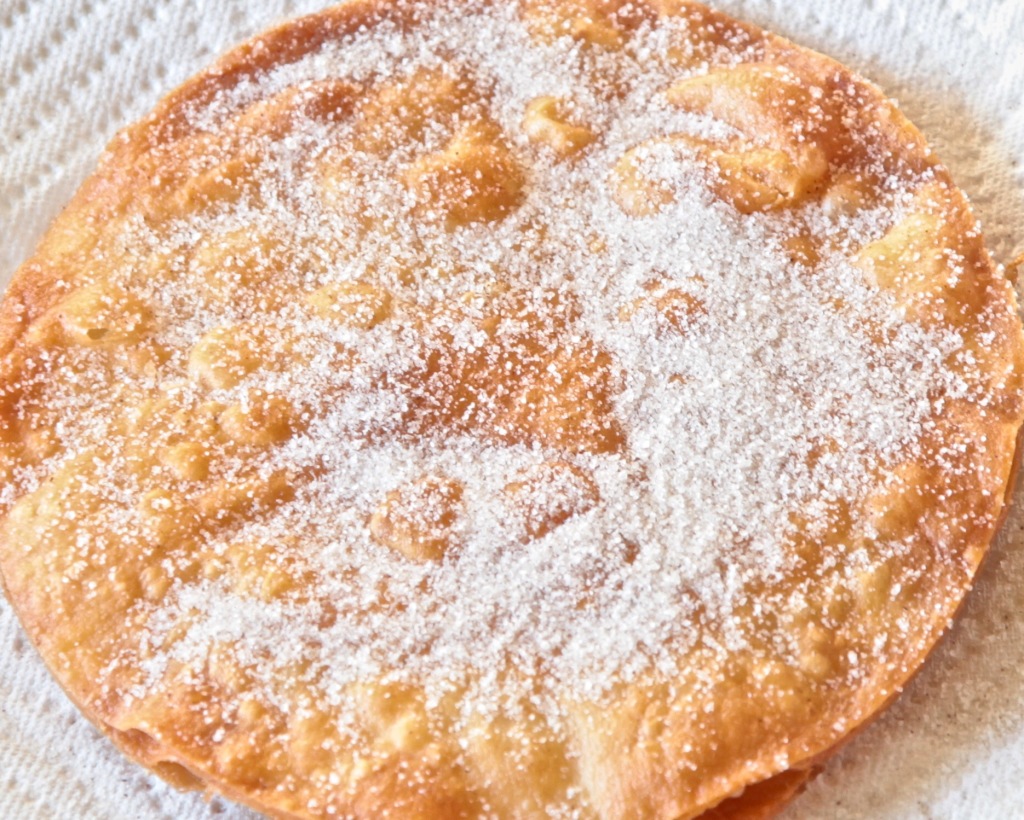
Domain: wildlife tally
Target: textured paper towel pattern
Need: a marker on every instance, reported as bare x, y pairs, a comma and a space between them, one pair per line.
73, 71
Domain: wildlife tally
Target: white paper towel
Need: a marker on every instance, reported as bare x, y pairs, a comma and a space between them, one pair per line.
73, 71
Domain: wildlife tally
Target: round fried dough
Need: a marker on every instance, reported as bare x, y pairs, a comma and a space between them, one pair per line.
563, 408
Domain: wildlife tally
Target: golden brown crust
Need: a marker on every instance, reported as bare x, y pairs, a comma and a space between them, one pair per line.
764, 800
141, 546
